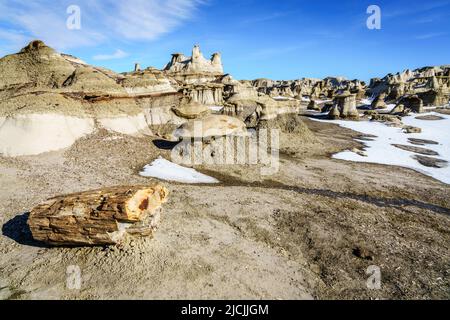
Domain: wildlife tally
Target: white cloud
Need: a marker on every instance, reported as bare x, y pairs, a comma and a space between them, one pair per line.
430, 35
147, 20
279, 50
118, 54
102, 20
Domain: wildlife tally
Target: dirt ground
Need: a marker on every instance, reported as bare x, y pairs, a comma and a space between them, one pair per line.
308, 232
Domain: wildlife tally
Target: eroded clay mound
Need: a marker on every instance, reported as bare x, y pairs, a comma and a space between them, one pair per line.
33, 134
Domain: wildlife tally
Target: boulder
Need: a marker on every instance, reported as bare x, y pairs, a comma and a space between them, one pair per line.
412, 102
344, 107
100, 217
431, 162
388, 119
191, 110
211, 126
419, 150
398, 109
313, 105
327, 107
379, 102
422, 142
359, 152
430, 117
334, 113
411, 129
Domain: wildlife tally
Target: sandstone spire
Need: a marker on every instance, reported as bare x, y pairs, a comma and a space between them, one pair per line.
197, 63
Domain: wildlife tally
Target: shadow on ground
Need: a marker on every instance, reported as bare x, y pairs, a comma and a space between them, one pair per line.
18, 230
165, 145
382, 202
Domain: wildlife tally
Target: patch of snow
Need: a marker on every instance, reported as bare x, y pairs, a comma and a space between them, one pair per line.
390, 107
366, 102
166, 170
216, 108
323, 101
281, 98
382, 151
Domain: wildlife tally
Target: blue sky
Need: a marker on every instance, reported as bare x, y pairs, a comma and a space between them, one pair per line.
286, 39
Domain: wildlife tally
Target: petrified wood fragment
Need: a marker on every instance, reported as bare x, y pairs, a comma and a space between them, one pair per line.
100, 217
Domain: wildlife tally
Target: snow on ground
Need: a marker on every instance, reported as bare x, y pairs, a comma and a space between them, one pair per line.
166, 170
281, 98
389, 107
366, 102
323, 101
382, 151
216, 108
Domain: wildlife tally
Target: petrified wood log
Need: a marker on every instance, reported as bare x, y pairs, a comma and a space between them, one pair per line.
100, 217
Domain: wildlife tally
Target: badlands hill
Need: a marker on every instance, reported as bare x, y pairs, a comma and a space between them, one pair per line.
63, 84
60, 99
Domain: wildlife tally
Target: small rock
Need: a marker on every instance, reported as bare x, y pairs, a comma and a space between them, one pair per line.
363, 253
359, 152
418, 150
411, 129
421, 142
430, 118
431, 162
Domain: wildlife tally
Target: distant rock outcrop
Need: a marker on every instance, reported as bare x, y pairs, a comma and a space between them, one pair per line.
324, 89
430, 84
412, 102
195, 64
196, 77
379, 102
344, 107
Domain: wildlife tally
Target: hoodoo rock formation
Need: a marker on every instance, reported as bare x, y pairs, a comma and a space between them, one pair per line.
211, 126
190, 109
430, 84
196, 64
379, 102
324, 89
344, 107
197, 77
